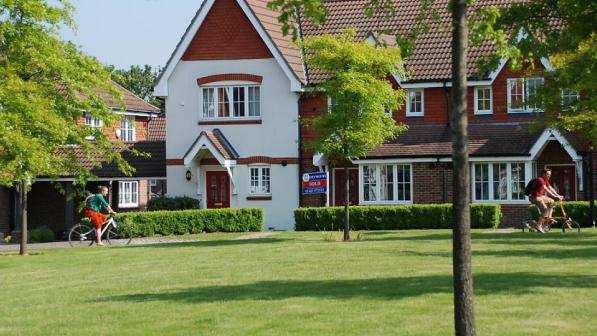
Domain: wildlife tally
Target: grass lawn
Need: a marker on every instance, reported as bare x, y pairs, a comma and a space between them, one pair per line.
390, 283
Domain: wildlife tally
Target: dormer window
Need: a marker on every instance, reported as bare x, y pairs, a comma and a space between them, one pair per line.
522, 95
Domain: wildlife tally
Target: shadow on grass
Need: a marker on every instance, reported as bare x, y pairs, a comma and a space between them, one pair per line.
213, 243
387, 289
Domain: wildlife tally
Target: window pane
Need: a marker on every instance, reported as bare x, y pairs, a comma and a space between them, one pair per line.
387, 183
254, 101
484, 99
209, 108
223, 102
516, 93
532, 86
134, 192
403, 182
481, 181
369, 183
239, 101
265, 187
500, 181
254, 180
416, 101
518, 178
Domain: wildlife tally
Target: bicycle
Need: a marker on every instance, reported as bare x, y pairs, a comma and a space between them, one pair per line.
566, 222
83, 233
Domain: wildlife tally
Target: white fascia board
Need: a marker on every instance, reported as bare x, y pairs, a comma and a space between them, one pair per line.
547, 64
493, 75
203, 143
500, 159
295, 84
546, 136
161, 88
138, 114
229, 163
427, 85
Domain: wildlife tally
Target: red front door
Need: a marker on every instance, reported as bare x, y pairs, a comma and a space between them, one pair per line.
353, 180
563, 179
218, 189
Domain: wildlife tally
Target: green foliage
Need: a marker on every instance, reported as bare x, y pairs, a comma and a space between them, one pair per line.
140, 81
404, 217
45, 84
563, 31
172, 203
361, 94
146, 224
579, 211
41, 235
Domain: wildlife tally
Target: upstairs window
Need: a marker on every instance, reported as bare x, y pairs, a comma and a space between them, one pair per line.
569, 99
483, 100
230, 102
127, 128
93, 122
522, 95
415, 103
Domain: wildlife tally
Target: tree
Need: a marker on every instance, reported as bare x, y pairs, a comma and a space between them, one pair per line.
360, 94
464, 317
45, 84
463, 290
565, 33
140, 81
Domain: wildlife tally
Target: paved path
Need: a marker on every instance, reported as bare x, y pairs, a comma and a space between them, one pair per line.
136, 241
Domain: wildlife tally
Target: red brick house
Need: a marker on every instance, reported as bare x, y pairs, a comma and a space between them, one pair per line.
140, 127
236, 46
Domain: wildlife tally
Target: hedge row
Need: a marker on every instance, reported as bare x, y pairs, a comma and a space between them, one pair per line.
579, 211
404, 217
172, 203
145, 224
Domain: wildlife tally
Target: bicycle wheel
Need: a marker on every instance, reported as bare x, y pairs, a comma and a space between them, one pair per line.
80, 235
571, 224
121, 234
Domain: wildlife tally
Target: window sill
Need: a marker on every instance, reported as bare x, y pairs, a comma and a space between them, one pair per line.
415, 116
483, 114
229, 122
259, 198
128, 206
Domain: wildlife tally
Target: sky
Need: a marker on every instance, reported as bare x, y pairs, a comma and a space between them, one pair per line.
130, 32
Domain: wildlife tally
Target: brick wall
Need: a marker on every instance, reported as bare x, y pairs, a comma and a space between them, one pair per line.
514, 215
226, 34
432, 183
143, 194
4, 210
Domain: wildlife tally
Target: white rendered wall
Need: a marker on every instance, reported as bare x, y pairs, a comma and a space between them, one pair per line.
276, 136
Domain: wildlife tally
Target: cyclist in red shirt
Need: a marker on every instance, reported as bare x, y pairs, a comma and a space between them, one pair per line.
543, 195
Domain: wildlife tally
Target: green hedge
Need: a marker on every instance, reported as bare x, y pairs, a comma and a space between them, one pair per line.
418, 216
41, 235
579, 211
172, 203
145, 224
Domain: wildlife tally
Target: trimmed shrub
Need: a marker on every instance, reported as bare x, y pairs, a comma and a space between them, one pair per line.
579, 211
145, 224
172, 203
41, 235
403, 217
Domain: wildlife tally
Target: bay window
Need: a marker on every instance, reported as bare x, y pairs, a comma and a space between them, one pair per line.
230, 102
386, 183
503, 181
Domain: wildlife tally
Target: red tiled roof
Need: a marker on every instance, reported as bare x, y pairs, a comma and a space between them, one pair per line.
290, 51
484, 140
133, 102
156, 129
431, 58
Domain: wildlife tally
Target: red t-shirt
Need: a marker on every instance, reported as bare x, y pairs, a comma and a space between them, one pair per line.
539, 187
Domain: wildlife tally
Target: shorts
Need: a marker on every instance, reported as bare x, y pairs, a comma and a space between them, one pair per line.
544, 203
97, 218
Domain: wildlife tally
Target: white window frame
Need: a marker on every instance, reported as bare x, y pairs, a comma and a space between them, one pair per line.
478, 111
526, 170
92, 121
260, 180
566, 94
129, 125
125, 200
246, 102
410, 113
395, 183
525, 95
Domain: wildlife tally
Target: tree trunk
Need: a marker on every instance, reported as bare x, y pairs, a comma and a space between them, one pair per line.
464, 317
346, 182
24, 190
